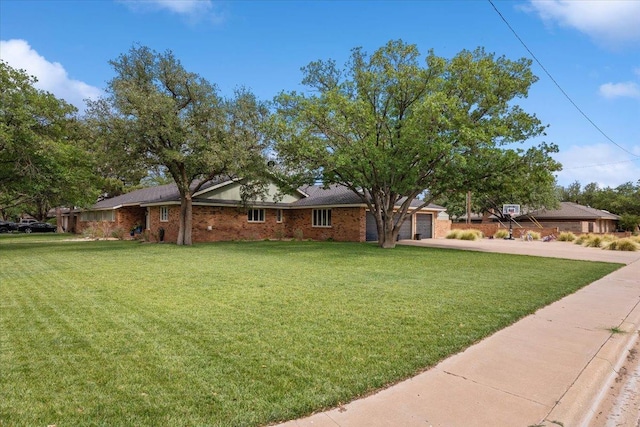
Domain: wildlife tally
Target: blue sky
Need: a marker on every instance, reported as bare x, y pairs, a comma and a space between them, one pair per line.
590, 48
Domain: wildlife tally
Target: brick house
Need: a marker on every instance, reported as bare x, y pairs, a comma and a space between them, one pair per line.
572, 217
312, 212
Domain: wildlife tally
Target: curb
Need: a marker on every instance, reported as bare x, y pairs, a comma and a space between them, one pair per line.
583, 399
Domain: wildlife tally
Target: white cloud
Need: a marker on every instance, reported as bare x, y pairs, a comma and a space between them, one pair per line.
194, 10
608, 22
604, 164
620, 90
52, 77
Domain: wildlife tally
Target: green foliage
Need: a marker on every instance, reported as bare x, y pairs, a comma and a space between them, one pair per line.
43, 159
392, 129
161, 117
521, 177
629, 222
116, 333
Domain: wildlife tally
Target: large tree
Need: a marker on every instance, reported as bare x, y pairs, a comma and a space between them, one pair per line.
391, 129
174, 120
43, 160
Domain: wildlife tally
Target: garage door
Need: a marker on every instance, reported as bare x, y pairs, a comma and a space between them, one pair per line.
424, 223
372, 230
405, 229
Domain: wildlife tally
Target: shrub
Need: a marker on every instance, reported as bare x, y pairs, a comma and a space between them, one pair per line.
625, 244
501, 234
566, 236
118, 233
470, 234
454, 234
535, 235
297, 234
593, 242
580, 240
93, 232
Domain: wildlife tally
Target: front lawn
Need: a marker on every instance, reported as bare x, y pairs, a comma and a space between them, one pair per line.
241, 334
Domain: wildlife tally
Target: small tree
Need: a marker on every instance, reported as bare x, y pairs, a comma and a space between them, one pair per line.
391, 129
174, 119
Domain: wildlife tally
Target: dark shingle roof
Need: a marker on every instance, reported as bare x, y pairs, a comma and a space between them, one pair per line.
334, 195
144, 195
570, 210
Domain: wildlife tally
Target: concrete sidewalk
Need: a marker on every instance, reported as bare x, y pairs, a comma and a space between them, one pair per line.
551, 368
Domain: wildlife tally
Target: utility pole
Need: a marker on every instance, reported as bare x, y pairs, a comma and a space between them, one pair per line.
468, 207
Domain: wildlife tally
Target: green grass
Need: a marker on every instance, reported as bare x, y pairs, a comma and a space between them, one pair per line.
114, 333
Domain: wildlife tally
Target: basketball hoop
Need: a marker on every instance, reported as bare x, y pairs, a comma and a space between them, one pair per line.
511, 211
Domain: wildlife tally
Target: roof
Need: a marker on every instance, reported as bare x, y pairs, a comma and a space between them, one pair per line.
570, 210
167, 192
316, 195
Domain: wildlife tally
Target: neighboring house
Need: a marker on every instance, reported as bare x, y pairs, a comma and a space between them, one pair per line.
572, 217
218, 214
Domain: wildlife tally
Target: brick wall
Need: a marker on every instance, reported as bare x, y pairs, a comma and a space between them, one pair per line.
490, 229
347, 225
125, 219
442, 228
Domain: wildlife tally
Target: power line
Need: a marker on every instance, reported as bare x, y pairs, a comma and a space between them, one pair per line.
557, 84
602, 164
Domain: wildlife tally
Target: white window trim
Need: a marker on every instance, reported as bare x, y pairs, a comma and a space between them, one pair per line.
279, 216
164, 213
251, 215
325, 218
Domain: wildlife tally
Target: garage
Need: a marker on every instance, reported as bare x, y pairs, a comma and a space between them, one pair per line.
424, 225
372, 230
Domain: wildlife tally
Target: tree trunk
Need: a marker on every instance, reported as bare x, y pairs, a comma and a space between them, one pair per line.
387, 238
59, 220
186, 211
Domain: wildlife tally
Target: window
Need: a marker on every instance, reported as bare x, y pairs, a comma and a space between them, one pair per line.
255, 215
164, 213
321, 218
279, 215
92, 216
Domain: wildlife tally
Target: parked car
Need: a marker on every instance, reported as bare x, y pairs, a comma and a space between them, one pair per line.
37, 227
27, 221
7, 226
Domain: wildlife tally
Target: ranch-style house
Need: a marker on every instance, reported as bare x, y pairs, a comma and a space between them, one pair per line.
312, 212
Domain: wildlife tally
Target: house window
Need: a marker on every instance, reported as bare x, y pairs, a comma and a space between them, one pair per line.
255, 215
321, 218
279, 215
164, 213
97, 216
